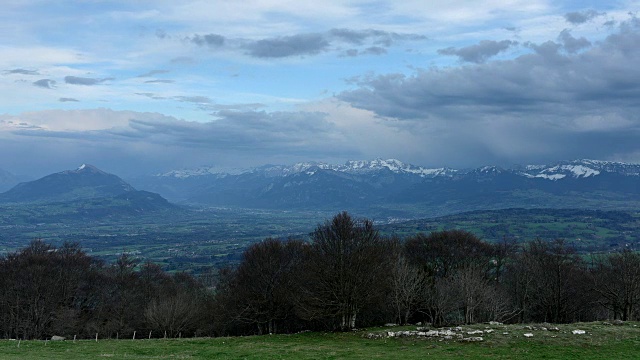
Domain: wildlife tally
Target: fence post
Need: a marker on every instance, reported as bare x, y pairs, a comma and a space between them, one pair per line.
150, 334
96, 337
134, 335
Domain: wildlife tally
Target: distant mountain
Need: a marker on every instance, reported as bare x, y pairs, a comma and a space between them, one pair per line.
390, 185
7, 180
84, 194
85, 182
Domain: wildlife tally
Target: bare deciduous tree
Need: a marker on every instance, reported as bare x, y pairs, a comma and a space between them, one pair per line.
617, 282
345, 271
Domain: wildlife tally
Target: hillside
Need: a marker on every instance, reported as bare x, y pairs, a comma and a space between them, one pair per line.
85, 182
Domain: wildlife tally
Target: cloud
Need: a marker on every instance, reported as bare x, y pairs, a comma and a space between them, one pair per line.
295, 45
571, 44
374, 50
481, 52
149, 141
548, 102
372, 42
161, 34
66, 99
159, 81
152, 73
75, 80
194, 99
45, 83
379, 37
581, 17
183, 60
211, 40
22, 72
150, 95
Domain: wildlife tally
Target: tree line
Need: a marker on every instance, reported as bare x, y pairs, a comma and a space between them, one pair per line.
346, 276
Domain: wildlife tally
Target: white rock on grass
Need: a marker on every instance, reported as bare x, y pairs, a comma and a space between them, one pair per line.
528, 335
473, 339
578, 332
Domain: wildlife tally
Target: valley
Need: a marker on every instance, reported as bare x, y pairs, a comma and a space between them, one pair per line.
189, 232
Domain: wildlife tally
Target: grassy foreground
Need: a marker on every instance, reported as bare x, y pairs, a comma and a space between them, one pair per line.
601, 341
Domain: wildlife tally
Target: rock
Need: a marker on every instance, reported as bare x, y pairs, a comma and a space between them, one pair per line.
473, 339
495, 323
57, 338
578, 332
555, 328
390, 324
528, 335
474, 332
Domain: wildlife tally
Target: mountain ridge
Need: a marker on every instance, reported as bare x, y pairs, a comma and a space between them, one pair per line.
579, 167
392, 185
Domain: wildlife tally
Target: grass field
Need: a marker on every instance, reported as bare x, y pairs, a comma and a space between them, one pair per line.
601, 341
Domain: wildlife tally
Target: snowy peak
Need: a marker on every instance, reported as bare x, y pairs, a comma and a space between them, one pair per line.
350, 167
85, 169
577, 169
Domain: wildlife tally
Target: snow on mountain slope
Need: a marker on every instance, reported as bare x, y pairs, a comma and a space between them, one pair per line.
350, 167
575, 169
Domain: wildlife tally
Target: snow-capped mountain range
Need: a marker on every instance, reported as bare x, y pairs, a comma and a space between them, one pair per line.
350, 167
381, 186
567, 169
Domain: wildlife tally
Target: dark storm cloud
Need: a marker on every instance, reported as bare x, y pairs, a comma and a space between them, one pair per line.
22, 72
285, 46
234, 132
66, 99
212, 40
75, 80
245, 131
529, 83
45, 83
571, 44
581, 17
152, 73
565, 101
480, 52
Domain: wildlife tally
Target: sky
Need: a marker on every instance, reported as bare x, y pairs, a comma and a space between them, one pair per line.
145, 86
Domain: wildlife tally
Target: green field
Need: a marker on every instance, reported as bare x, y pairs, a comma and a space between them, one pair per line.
601, 341
194, 240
